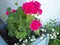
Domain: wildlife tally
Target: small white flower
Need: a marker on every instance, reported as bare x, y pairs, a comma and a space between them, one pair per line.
54, 34
15, 44
57, 33
43, 29
41, 37
20, 40
42, 34
52, 37
47, 34
23, 44
26, 40
33, 36
23, 41
52, 29
50, 34
31, 39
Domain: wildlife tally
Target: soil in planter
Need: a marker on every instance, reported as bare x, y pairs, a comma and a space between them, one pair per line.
12, 40
8, 39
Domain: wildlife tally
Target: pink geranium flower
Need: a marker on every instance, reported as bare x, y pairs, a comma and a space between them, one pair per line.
40, 11
13, 10
35, 25
7, 12
32, 7
37, 4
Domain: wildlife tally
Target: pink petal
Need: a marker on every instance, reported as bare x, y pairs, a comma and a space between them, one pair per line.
35, 25
37, 4
7, 13
40, 11
13, 10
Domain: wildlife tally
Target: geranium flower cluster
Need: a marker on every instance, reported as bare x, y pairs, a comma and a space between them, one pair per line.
32, 7
36, 24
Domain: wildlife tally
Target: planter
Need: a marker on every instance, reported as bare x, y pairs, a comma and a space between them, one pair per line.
40, 41
2, 24
12, 40
2, 41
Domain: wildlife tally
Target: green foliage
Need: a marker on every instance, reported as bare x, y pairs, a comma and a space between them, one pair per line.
52, 25
9, 9
30, 18
54, 42
16, 3
58, 28
18, 23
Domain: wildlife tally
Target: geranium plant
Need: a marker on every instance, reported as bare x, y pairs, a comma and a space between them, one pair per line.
22, 21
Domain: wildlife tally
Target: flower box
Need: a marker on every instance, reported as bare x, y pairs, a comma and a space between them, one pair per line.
40, 41
37, 42
2, 41
2, 24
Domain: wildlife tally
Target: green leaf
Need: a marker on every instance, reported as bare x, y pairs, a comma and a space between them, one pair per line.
11, 31
20, 35
9, 9
30, 18
16, 3
37, 32
55, 42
